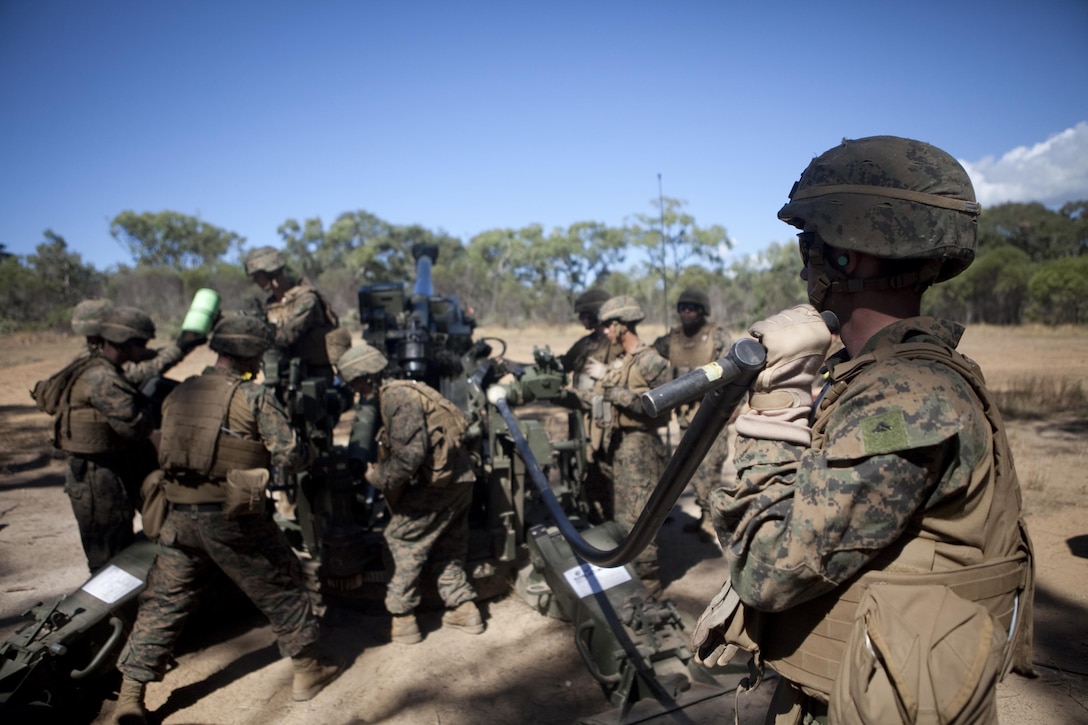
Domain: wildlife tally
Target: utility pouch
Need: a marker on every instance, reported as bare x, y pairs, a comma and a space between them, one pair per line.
919, 654
601, 410
78, 467
153, 504
392, 495
245, 492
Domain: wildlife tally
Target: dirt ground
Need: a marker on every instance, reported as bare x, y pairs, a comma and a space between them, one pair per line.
525, 667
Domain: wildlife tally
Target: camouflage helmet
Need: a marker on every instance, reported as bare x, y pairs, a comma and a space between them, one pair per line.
241, 336
360, 361
264, 259
624, 308
693, 296
890, 197
121, 324
591, 301
87, 316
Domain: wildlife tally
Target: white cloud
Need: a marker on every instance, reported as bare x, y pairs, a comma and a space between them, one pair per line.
1051, 172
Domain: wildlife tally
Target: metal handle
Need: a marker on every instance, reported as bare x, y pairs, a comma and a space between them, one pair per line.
107, 648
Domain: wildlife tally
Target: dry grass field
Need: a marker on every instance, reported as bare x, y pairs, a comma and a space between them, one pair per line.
524, 668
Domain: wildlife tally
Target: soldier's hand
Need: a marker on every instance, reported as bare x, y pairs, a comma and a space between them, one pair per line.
620, 396
797, 341
188, 339
594, 368
371, 475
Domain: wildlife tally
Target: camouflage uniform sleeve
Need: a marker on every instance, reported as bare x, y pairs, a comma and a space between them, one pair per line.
165, 358
402, 416
274, 427
126, 409
654, 367
802, 521
303, 313
661, 345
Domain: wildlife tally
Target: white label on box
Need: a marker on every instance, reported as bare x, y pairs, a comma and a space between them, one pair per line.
588, 579
112, 584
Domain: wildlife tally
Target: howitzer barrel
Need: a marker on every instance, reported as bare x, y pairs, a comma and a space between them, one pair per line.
425, 255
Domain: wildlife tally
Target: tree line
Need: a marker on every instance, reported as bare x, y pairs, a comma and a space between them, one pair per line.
1031, 265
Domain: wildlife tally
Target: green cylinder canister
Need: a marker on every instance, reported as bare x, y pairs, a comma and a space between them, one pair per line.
202, 312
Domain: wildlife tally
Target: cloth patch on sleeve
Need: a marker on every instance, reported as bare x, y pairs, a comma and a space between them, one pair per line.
885, 432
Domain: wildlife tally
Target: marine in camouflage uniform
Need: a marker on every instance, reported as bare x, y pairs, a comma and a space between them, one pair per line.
102, 423
427, 479
695, 342
899, 473
306, 327
586, 361
221, 430
623, 435
87, 319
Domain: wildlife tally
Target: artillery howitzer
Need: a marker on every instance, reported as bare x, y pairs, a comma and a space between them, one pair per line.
528, 524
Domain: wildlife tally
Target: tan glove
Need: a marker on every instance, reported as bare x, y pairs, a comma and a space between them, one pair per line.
594, 368
797, 341
708, 643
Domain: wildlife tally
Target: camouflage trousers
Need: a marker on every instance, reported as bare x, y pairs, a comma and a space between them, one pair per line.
251, 550
599, 491
103, 491
638, 459
430, 525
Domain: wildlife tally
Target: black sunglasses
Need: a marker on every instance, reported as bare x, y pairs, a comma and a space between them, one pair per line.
687, 307
805, 240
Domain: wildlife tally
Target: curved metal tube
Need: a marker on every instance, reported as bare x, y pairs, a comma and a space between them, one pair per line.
745, 356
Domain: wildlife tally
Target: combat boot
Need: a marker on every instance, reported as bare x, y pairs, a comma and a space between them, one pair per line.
130, 704
466, 617
310, 675
406, 629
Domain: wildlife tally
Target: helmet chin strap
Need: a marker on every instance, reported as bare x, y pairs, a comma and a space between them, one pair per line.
832, 279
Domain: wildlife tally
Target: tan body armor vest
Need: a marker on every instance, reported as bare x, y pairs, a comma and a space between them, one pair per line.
630, 376
446, 426
686, 354
80, 428
313, 348
199, 445
805, 644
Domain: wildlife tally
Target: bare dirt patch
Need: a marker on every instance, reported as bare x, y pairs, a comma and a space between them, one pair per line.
525, 667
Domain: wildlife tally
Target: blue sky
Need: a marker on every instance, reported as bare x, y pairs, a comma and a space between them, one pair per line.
469, 116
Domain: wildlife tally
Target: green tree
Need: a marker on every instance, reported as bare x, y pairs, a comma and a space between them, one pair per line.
1059, 292
674, 241
170, 239
994, 289
1039, 232
63, 272
305, 245
761, 285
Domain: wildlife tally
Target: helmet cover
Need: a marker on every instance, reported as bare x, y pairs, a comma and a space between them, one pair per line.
241, 336
360, 361
890, 197
624, 308
264, 259
121, 324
